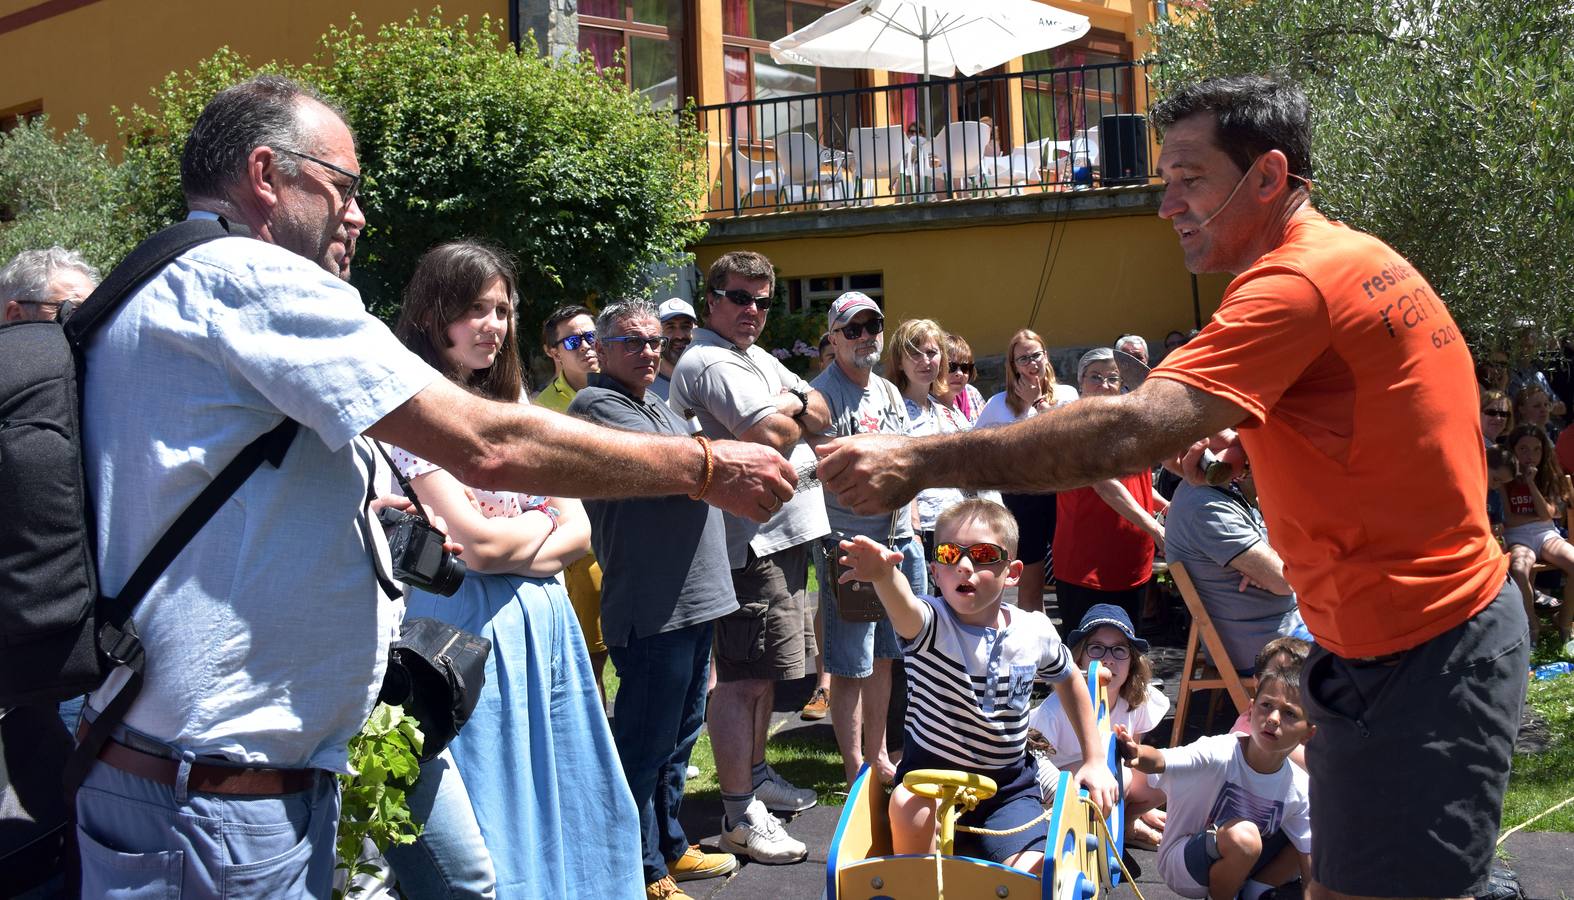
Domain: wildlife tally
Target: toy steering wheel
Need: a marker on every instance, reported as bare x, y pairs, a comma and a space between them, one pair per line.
951, 788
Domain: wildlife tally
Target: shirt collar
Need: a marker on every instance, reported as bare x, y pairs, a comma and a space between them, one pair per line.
607, 382
706, 337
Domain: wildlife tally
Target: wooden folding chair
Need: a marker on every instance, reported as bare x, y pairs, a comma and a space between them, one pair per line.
1198, 674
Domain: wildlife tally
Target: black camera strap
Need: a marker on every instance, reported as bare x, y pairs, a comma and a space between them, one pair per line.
404, 483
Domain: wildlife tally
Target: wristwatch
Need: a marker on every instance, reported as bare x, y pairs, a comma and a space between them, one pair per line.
803, 400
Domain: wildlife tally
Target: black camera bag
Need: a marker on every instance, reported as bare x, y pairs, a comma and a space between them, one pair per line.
435, 671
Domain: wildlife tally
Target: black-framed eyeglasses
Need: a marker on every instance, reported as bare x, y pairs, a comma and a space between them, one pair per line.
1496, 413
573, 341
349, 191
62, 308
634, 343
856, 330
962, 368
744, 298
1097, 651
1028, 359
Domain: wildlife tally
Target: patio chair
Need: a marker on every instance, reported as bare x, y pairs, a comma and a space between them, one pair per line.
1017, 168
799, 157
753, 178
876, 155
1198, 673
960, 149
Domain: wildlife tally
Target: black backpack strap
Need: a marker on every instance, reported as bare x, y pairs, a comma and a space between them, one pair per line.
139, 265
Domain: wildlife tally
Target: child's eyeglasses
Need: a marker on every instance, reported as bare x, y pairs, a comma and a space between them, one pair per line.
983, 554
573, 341
962, 368
633, 343
1098, 651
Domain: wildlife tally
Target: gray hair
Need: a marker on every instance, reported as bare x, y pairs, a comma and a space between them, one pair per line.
262, 112
1137, 339
1097, 354
620, 310
26, 277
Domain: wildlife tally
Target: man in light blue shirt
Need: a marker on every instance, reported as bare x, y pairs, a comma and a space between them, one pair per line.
266, 637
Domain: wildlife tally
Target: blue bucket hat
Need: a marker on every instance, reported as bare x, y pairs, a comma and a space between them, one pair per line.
1106, 614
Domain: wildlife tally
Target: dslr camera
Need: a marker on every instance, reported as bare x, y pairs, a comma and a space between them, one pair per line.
419, 559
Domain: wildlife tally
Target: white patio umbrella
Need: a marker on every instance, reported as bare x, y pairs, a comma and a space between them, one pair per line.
929, 37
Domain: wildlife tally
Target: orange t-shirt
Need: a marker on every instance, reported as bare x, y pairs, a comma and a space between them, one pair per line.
1363, 435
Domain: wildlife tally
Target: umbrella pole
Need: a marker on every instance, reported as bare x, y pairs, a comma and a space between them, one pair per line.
926, 171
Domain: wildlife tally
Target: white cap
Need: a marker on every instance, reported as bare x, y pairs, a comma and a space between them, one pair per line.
675, 307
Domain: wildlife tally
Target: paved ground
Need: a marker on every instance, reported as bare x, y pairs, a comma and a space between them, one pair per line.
1544, 861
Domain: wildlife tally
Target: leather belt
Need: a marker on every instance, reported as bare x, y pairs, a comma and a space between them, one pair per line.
205, 778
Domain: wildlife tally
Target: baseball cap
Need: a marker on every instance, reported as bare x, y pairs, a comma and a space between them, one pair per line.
1101, 614
851, 304
1097, 354
675, 307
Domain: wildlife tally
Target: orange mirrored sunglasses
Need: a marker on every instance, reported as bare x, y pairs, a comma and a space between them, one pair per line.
949, 554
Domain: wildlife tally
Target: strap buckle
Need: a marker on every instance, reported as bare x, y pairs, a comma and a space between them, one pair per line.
120, 645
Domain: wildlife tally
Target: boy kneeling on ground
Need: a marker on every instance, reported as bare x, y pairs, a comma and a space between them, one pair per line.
971, 664
1239, 818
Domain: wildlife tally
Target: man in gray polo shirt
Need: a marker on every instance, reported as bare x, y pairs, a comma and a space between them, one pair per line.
1218, 534
738, 390
665, 583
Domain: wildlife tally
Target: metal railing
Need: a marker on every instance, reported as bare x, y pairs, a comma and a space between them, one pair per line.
1045, 130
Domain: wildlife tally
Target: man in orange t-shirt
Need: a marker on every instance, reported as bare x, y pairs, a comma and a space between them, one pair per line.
1344, 372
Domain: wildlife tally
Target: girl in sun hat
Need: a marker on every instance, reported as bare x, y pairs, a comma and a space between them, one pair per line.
1106, 635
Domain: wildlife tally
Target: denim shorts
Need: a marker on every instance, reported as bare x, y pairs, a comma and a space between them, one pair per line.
852, 647
1416, 749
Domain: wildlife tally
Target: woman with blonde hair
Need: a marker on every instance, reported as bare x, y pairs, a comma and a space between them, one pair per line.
1031, 388
916, 361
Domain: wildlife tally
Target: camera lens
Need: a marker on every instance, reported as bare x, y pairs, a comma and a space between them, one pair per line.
449, 576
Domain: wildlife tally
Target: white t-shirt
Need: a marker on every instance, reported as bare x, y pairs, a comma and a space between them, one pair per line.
996, 412
1208, 782
267, 637
1064, 750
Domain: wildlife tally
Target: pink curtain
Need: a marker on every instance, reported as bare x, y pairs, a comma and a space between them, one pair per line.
737, 18
902, 105
607, 9
602, 45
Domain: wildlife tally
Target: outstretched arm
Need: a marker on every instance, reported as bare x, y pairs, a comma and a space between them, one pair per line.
1074, 445
508, 446
881, 567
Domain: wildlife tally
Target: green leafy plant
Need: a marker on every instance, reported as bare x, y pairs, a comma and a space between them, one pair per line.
1442, 128
60, 189
384, 762
460, 135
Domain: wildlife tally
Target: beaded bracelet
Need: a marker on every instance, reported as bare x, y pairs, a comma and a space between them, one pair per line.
710, 468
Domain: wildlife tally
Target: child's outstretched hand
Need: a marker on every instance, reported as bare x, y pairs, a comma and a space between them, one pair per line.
1125, 744
866, 560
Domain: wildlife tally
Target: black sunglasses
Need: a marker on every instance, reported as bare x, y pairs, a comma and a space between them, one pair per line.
349, 190
1495, 413
856, 330
633, 343
744, 298
573, 341
963, 368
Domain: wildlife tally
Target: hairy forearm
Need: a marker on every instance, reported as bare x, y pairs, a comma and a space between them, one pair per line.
1077, 444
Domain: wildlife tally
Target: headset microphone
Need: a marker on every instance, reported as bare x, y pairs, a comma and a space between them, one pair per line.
1204, 223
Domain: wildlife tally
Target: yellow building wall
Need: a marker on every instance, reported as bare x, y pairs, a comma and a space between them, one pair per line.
109, 53
1107, 276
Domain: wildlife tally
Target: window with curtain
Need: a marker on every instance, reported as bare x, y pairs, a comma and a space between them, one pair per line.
1058, 105
639, 37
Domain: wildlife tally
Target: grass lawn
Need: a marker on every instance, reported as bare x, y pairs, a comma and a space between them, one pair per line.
806, 760
1542, 780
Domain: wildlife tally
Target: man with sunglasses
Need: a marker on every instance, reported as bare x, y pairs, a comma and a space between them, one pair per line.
1345, 373
858, 655
266, 639
736, 389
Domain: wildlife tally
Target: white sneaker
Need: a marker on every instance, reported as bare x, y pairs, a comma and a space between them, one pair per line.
692, 772
761, 837
781, 796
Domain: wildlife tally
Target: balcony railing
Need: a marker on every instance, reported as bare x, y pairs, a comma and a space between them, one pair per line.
1045, 130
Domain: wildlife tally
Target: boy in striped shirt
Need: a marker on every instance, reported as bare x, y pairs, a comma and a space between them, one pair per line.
971, 663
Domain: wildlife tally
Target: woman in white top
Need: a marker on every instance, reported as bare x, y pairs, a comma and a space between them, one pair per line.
1031, 388
916, 360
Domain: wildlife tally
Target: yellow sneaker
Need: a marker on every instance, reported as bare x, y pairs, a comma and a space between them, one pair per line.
665, 889
696, 863
819, 705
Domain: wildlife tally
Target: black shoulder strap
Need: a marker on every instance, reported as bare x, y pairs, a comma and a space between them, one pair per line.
139, 265
117, 638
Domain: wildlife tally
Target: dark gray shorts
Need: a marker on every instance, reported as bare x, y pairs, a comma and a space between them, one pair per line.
771, 635
1411, 758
